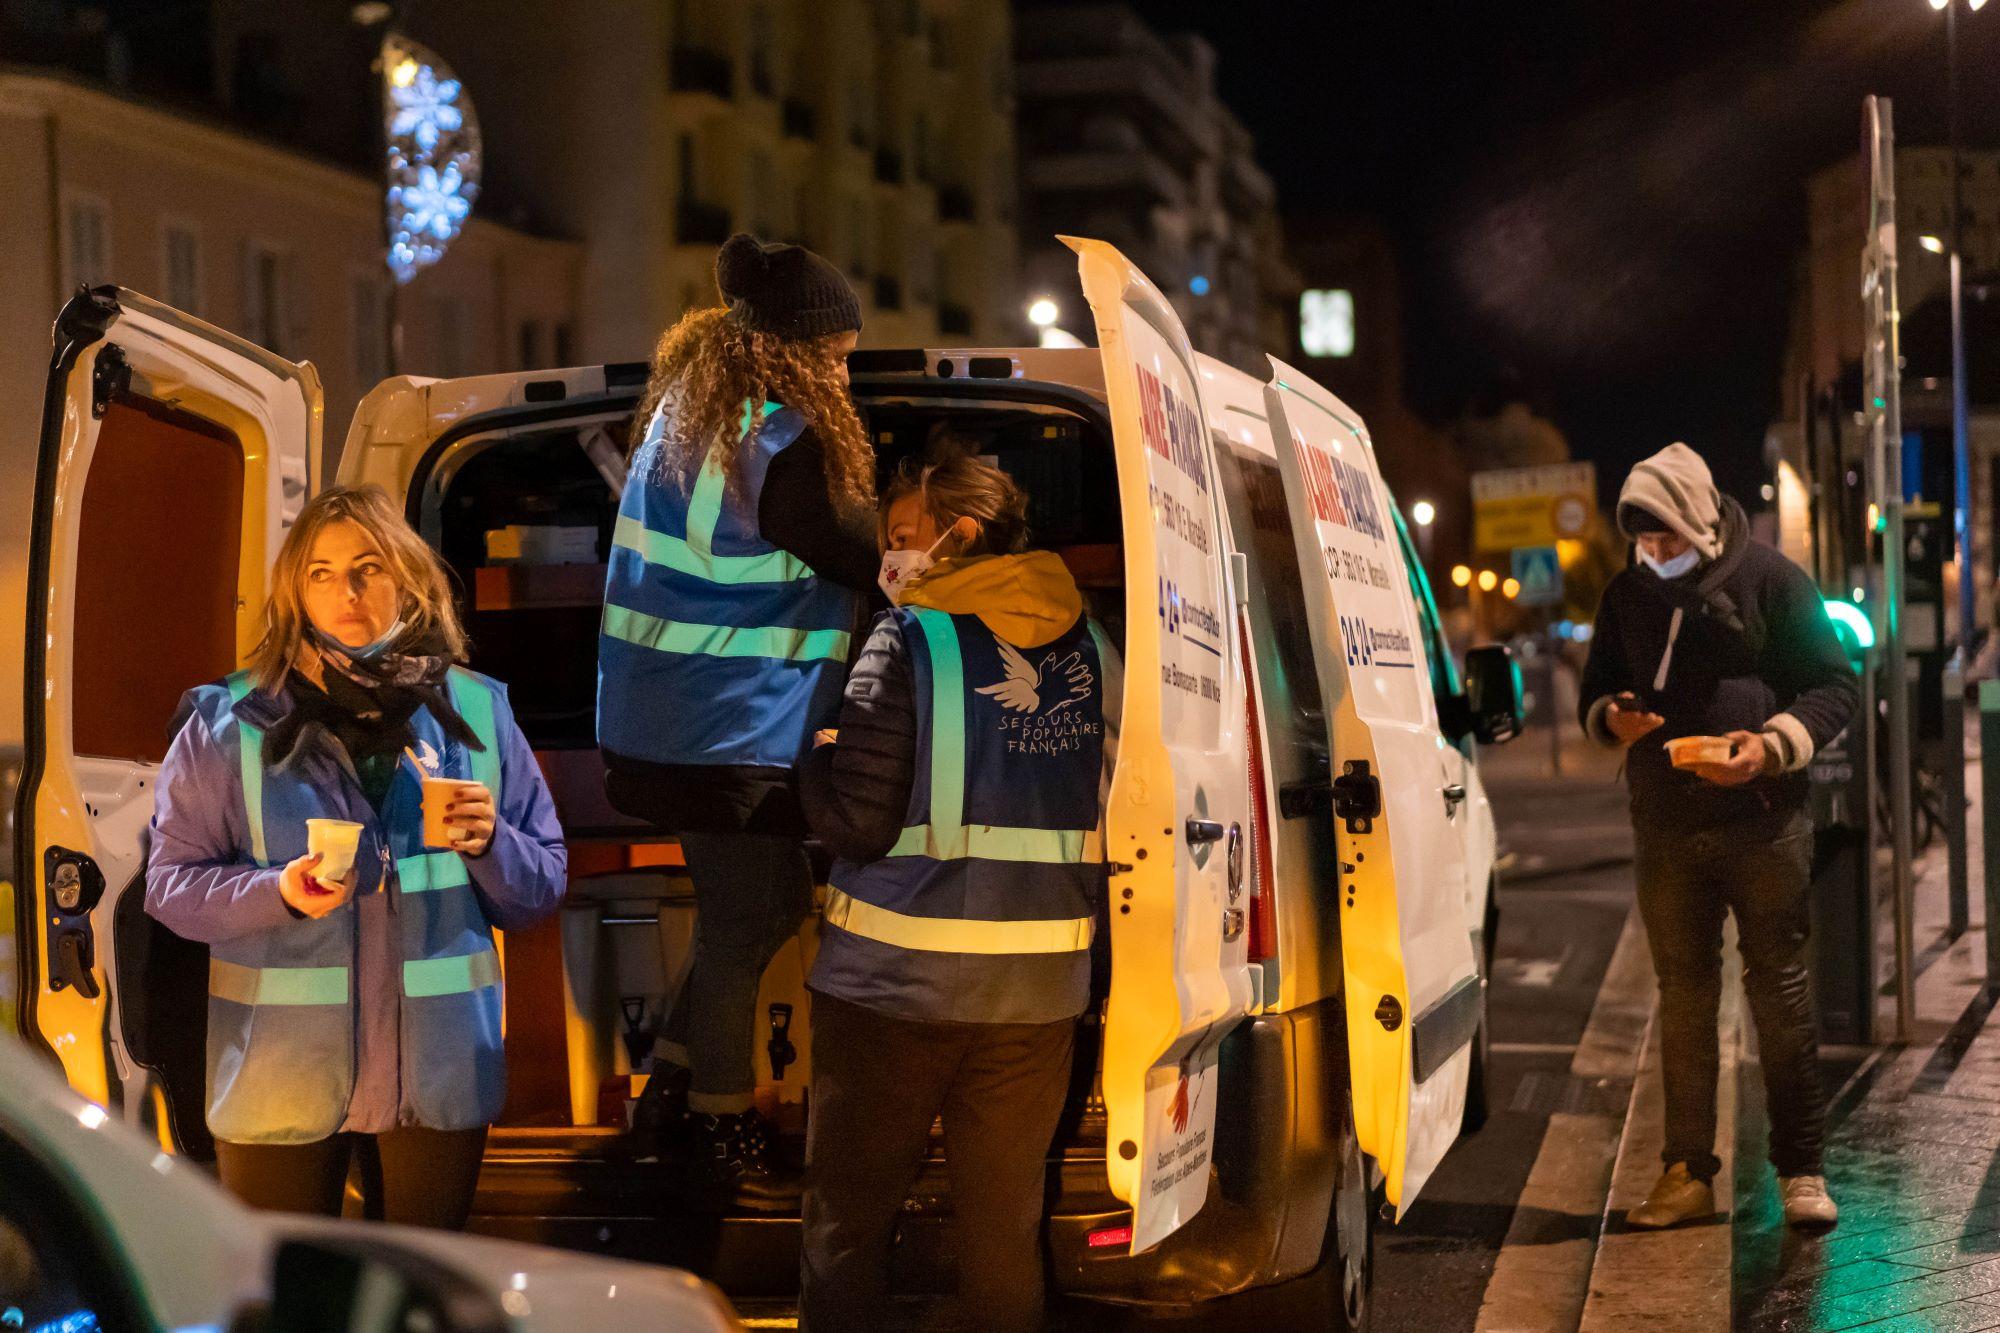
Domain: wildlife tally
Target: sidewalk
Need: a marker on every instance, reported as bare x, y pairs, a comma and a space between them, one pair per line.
1913, 1157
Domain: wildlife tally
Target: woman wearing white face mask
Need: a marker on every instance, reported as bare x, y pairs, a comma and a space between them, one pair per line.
963, 797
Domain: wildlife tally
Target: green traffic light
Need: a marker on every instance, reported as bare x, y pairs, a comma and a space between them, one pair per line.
1845, 615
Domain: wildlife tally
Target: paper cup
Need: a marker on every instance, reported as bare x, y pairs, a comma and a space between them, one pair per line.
438, 796
1686, 751
335, 840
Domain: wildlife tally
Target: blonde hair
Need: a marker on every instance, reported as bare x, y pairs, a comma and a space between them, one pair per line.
959, 486
422, 586
708, 365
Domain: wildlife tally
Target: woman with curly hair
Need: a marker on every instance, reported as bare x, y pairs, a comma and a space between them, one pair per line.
744, 542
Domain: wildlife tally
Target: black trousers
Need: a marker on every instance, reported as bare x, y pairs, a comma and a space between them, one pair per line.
422, 1177
878, 1083
1760, 870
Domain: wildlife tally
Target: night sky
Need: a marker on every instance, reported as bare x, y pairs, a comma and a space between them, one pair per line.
1602, 198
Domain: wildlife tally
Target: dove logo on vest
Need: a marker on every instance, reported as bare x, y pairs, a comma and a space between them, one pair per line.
1038, 701
1171, 427
1339, 492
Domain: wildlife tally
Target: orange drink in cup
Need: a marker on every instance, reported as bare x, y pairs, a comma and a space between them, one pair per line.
439, 793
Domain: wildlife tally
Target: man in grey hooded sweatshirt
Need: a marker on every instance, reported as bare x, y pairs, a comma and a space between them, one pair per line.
1713, 634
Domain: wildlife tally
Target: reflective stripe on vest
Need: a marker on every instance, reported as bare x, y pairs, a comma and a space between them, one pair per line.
428, 871
474, 703
250, 746
954, 934
683, 637
276, 985
947, 837
454, 975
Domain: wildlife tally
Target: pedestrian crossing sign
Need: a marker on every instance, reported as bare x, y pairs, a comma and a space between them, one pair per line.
1540, 575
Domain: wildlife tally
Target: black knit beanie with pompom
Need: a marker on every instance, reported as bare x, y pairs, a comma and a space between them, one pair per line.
784, 290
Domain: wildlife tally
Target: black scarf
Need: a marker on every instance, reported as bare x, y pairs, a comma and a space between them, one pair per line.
365, 705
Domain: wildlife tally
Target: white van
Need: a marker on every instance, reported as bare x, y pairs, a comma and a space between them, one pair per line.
1301, 852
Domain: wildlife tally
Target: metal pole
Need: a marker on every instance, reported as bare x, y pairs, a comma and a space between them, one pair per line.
1886, 412
1961, 448
1555, 704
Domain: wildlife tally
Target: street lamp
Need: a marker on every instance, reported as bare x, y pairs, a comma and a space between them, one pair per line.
1423, 513
1511, 589
1042, 312
1461, 575
1488, 580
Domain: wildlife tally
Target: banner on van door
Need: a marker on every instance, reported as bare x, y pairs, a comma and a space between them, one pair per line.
1180, 1139
1183, 506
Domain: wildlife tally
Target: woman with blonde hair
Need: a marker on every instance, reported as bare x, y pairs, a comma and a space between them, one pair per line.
360, 1001
743, 539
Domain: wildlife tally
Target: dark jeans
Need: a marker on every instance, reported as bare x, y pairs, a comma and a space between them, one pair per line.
751, 892
421, 1177
878, 1083
1759, 869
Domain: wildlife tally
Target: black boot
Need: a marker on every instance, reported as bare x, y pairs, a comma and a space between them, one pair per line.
660, 1117
734, 1160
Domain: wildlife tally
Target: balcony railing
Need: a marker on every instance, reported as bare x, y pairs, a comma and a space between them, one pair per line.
888, 293
954, 203
888, 166
694, 69
696, 223
800, 120
955, 320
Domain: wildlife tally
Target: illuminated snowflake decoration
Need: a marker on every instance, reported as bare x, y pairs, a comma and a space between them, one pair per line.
433, 155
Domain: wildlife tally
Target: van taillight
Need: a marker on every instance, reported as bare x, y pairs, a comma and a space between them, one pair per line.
1263, 926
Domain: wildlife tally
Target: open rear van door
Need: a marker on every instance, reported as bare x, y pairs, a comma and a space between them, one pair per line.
1411, 982
173, 457
1180, 975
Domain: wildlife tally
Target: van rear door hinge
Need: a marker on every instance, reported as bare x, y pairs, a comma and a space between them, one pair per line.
1357, 796
110, 378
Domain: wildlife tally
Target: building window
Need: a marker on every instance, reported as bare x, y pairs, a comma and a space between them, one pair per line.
689, 178
857, 239
762, 187
530, 345
920, 147
451, 360
180, 266
369, 307
860, 113
1326, 322
87, 239
264, 297
762, 81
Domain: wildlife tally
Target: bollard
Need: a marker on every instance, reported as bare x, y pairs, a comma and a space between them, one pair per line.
1954, 800
1989, 790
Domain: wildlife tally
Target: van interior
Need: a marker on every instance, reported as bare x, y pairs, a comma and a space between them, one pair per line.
524, 519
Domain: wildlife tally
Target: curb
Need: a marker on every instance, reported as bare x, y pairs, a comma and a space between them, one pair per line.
1679, 1278
1541, 1277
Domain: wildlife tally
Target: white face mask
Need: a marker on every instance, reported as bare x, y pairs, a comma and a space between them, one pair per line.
900, 568
1674, 568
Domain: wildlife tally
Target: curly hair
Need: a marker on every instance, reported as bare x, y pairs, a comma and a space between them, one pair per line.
708, 365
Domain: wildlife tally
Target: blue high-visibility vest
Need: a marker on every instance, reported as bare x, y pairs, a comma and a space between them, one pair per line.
717, 647
282, 1012
983, 911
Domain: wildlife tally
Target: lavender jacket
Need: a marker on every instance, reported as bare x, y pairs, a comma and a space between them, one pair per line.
202, 883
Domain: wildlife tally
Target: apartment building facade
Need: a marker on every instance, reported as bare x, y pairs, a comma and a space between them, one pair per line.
1122, 136
282, 248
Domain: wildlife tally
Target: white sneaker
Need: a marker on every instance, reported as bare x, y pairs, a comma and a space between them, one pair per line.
1807, 1204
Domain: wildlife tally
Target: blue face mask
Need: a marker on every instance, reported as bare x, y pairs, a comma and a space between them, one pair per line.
367, 652
1674, 568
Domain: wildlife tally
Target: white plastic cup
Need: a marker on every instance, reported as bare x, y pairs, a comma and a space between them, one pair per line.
336, 841
439, 793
